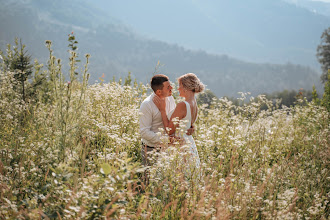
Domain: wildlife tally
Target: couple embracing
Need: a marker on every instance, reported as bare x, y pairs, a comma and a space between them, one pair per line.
160, 111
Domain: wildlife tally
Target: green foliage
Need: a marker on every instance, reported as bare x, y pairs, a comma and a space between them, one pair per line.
19, 62
206, 97
62, 94
290, 98
26, 83
72, 42
315, 96
74, 55
128, 80
326, 95
323, 54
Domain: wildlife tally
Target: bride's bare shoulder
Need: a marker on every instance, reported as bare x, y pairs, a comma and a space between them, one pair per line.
180, 110
181, 105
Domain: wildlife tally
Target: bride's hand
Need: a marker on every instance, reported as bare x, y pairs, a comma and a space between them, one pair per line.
159, 102
191, 130
175, 140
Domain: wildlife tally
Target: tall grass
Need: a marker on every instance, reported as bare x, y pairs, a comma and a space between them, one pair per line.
76, 155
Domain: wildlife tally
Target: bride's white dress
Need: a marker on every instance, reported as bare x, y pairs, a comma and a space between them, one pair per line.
189, 143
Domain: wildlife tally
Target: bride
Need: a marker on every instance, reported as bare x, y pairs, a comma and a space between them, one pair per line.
185, 111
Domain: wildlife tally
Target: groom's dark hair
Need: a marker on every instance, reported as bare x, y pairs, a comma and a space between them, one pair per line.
157, 81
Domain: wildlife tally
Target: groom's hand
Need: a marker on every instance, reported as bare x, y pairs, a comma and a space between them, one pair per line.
191, 130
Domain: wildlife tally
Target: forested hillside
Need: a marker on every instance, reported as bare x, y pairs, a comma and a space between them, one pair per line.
271, 31
117, 50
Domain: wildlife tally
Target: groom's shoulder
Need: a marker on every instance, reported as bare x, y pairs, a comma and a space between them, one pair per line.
146, 101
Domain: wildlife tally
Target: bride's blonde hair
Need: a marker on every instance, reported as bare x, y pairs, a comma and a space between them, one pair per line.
191, 82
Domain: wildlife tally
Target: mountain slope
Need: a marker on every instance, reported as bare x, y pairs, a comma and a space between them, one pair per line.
116, 50
253, 30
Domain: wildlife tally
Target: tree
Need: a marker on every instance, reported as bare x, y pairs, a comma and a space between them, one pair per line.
19, 62
21, 65
323, 54
326, 95
315, 96
206, 97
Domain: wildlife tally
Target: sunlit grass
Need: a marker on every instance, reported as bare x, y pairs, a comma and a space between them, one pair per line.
77, 155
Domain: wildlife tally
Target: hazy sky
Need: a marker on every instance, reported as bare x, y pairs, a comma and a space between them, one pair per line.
321, 1
296, 1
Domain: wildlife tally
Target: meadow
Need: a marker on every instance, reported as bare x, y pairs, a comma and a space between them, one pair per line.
73, 152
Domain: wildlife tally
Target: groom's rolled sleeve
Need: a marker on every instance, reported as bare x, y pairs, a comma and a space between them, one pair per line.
147, 135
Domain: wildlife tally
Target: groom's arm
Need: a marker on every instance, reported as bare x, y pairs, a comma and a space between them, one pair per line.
145, 124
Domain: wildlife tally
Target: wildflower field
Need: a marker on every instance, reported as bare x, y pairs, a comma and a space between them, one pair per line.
73, 152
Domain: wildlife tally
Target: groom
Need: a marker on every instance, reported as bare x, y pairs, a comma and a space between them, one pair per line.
150, 116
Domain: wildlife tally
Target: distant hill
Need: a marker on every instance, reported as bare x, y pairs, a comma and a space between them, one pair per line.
117, 50
271, 31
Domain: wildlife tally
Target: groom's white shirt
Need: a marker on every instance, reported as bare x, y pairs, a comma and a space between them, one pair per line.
151, 119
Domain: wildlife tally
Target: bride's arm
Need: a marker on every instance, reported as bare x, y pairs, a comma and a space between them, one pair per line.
179, 112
